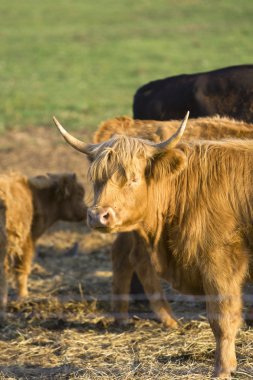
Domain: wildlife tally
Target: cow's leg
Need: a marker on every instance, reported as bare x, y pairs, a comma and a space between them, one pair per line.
3, 262
223, 290
3, 280
224, 318
151, 283
122, 275
23, 264
128, 255
137, 292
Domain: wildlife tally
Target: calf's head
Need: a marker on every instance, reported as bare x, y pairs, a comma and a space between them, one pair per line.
62, 193
121, 170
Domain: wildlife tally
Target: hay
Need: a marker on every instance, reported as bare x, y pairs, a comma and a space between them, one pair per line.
64, 330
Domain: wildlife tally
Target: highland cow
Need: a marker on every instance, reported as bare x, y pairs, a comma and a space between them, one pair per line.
191, 202
127, 246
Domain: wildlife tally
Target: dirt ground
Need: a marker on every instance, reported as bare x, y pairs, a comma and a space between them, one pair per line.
64, 330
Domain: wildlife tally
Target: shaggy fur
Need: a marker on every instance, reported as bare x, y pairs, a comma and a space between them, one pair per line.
28, 206
122, 163
197, 219
208, 128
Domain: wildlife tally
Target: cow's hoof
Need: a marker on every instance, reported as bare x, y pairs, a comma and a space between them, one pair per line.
123, 322
224, 374
22, 295
170, 323
3, 318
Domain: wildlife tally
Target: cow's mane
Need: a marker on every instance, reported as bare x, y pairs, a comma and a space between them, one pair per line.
120, 153
216, 163
217, 178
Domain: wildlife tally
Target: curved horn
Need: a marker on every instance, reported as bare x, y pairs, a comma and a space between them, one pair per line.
174, 139
71, 140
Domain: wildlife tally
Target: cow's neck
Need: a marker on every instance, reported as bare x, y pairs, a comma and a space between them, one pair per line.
152, 225
45, 212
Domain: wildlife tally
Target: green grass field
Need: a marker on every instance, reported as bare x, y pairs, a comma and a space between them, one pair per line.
82, 60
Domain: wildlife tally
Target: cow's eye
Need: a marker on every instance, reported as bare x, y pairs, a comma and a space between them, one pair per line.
134, 179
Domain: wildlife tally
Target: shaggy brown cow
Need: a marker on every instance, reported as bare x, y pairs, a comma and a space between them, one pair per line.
28, 207
127, 246
192, 204
208, 128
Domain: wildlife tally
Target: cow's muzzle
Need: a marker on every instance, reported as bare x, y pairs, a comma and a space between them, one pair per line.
101, 218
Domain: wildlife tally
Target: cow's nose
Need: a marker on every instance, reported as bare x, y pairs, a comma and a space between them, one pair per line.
100, 217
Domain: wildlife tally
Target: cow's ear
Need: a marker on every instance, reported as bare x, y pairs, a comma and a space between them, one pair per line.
72, 177
170, 162
64, 186
66, 191
40, 182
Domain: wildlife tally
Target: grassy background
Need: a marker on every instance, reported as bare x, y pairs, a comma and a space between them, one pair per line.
83, 59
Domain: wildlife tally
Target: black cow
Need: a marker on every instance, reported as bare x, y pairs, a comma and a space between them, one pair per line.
227, 92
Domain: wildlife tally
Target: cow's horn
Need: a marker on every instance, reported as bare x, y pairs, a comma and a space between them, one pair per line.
71, 140
173, 140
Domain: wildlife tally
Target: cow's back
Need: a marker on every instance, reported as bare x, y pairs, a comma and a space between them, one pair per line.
208, 128
227, 92
159, 99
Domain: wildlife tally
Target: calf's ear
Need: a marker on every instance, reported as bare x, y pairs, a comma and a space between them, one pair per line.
40, 182
72, 177
169, 162
63, 187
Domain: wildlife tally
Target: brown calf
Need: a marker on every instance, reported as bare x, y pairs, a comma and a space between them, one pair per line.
28, 206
